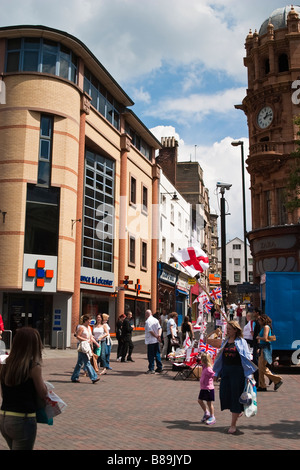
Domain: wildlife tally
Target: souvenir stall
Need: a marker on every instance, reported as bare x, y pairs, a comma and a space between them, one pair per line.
186, 360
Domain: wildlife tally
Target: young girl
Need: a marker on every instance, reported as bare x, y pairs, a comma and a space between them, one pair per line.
207, 391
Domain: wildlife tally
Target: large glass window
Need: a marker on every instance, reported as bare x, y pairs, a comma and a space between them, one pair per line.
42, 221
102, 100
41, 55
98, 225
138, 142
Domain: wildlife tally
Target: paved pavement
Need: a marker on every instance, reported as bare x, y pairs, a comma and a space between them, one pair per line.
128, 410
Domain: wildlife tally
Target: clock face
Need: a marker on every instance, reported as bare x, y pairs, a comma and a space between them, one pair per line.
265, 117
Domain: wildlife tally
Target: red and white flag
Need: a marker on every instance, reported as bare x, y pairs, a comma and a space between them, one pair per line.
193, 259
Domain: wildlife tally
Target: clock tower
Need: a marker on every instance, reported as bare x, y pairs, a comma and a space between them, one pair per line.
272, 104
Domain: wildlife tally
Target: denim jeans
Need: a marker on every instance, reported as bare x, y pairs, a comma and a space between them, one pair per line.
153, 352
19, 433
83, 360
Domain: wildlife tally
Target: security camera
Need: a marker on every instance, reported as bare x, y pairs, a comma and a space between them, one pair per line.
224, 185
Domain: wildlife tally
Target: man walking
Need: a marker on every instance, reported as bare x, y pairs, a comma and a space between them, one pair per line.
127, 338
152, 340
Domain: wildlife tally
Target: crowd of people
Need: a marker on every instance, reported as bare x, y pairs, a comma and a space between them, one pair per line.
243, 354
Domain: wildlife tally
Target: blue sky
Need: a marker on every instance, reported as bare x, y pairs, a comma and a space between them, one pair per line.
181, 61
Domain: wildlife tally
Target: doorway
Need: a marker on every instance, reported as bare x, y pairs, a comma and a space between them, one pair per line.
31, 310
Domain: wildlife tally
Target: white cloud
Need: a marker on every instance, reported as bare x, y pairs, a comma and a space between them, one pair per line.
197, 105
219, 162
133, 37
139, 94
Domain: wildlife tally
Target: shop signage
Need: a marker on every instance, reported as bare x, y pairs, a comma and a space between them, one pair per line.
39, 273
168, 277
96, 280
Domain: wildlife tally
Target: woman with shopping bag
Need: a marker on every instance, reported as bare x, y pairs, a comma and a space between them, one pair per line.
86, 339
22, 385
233, 364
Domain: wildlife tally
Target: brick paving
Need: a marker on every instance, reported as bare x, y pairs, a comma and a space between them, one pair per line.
129, 410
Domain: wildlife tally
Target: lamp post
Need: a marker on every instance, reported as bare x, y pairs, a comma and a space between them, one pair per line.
222, 187
241, 144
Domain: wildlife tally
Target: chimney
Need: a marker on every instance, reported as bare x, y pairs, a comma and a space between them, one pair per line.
167, 158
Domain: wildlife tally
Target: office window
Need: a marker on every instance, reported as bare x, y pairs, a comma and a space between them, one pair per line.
138, 142
102, 100
236, 261
281, 208
145, 199
132, 190
41, 55
42, 220
237, 276
172, 214
45, 151
268, 206
131, 250
98, 222
144, 255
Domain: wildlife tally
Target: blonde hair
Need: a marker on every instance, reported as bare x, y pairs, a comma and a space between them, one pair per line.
105, 317
237, 327
206, 359
26, 351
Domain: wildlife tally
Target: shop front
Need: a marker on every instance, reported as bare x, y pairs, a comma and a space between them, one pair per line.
182, 297
98, 294
167, 280
32, 310
38, 304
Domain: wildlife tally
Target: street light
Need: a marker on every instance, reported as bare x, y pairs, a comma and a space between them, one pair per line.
241, 144
174, 196
222, 187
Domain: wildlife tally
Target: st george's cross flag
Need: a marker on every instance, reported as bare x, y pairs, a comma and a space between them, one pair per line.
193, 259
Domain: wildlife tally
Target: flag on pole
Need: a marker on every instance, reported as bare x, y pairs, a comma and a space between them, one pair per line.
204, 347
216, 293
193, 259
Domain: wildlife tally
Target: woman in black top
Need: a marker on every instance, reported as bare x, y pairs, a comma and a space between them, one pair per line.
187, 327
21, 385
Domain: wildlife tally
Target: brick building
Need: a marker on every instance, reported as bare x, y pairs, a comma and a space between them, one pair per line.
273, 64
78, 179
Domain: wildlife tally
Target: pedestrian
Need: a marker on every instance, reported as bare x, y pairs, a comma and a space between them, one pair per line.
231, 312
239, 313
22, 385
187, 328
152, 340
163, 322
248, 331
1, 326
119, 336
98, 333
84, 335
171, 331
233, 365
107, 343
255, 315
207, 389
128, 346
265, 355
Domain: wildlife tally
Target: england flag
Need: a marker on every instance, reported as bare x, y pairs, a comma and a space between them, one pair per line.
193, 259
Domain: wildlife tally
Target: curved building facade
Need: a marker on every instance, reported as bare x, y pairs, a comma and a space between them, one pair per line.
70, 150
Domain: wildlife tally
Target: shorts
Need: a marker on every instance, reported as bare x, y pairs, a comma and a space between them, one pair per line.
207, 395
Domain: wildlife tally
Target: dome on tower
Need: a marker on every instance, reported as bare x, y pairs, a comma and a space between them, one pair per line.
278, 18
